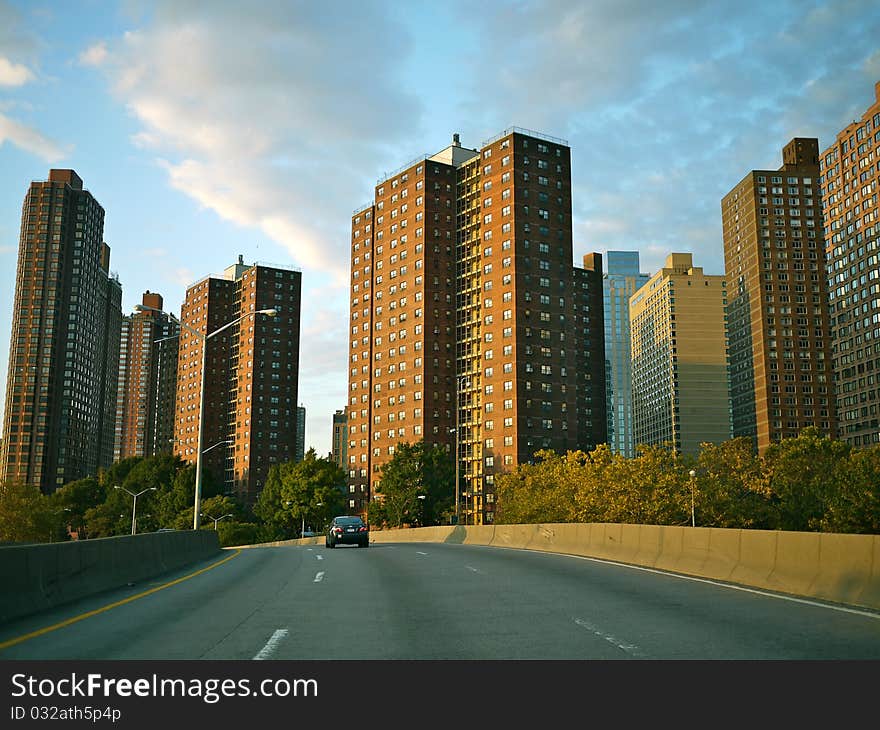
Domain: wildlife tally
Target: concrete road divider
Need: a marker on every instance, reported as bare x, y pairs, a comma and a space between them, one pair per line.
37, 577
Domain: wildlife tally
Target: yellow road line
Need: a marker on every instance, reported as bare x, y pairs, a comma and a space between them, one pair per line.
75, 619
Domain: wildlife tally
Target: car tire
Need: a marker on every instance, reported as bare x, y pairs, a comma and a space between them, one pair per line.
364, 544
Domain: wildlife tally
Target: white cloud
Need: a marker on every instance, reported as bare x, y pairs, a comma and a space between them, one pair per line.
14, 74
31, 140
94, 55
254, 112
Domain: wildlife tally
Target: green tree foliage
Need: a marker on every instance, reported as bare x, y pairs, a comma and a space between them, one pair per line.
855, 504
732, 486
416, 470
803, 476
74, 499
305, 493
26, 515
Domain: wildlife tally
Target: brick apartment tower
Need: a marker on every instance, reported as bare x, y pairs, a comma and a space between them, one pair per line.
850, 178
679, 358
147, 381
468, 319
780, 351
251, 383
61, 390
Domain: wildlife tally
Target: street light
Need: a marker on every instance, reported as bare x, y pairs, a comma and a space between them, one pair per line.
134, 504
204, 338
217, 519
693, 519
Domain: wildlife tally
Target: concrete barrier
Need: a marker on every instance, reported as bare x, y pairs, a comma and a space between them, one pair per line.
38, 577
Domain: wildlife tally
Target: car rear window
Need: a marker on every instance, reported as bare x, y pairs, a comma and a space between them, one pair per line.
349, 521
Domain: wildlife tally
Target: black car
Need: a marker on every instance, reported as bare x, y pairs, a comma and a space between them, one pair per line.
347, 531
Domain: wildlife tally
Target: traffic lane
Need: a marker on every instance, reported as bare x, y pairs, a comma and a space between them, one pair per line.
190, 620
674, 617
411, 601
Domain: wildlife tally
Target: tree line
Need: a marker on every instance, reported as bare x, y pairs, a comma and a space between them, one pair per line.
307, 493
808, 483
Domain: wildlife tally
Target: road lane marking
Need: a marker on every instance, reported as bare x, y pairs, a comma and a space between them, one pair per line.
271, 645
319, 577
472, 568
319, 557
419, 552
89, 614
630, 649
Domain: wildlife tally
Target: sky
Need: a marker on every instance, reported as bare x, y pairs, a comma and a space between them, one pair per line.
212, 129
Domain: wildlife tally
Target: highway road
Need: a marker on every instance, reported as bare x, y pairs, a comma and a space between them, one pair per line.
437, 601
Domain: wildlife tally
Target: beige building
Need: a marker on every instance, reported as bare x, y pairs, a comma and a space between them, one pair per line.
679, 358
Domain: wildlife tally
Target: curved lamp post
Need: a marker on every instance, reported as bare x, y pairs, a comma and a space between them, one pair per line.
217, 519
204, 338
134, 504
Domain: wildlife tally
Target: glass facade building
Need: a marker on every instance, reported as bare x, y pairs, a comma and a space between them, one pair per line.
622, 279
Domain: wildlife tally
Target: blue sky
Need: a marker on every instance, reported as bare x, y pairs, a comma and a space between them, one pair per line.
213, 129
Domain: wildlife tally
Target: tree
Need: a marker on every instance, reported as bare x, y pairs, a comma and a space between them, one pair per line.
803, 478
416, 470
25, 514
855, 505
732, 486
76, 498
305, 493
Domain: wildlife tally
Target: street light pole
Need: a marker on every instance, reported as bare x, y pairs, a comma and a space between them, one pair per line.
217, 519
204, 338
134, 504
693, 518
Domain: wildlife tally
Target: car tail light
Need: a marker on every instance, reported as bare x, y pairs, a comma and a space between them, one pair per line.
363, 528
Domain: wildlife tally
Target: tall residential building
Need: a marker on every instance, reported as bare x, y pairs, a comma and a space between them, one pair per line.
61, 388
300, 450
780, 351
469, 323
147, 380
252, 376
850, 177
622, 279
339, 443
679, 358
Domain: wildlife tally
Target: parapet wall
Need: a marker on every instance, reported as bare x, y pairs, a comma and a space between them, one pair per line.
37, 577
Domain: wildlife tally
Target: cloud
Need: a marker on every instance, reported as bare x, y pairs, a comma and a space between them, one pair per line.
31, 140
94, 55
250, 113
14, 74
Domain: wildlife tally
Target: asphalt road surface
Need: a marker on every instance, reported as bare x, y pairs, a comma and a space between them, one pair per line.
437, 601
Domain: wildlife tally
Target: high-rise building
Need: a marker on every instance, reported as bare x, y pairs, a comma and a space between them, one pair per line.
850, 178
469, 323
339, 443
300, 451
252, 374
681, 391
61, 391
780, 352
622, 279
147, 379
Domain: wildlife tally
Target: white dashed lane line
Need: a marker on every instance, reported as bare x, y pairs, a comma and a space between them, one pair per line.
271, 645
630, 649
319, 577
